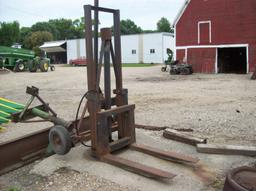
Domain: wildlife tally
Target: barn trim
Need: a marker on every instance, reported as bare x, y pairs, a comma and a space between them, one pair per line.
210, 30
219, 46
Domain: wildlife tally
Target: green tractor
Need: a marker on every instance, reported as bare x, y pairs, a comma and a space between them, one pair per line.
19, 60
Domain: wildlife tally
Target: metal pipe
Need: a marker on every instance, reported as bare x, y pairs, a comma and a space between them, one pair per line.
48, 117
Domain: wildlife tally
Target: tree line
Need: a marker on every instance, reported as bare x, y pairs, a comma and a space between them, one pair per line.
61, 29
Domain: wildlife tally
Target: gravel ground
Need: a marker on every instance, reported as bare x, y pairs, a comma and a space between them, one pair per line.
218, 107
62, 180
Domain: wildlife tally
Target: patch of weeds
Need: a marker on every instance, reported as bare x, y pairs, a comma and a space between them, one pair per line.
217, 184
14, 189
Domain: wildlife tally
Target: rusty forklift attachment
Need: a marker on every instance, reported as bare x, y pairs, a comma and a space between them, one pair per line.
166, 155
137, 167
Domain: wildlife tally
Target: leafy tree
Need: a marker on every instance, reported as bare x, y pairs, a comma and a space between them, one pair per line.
9, 33
149, 31
129, 27
46, 26
163, 25
65, 28
79, 27
24, 32
36, 39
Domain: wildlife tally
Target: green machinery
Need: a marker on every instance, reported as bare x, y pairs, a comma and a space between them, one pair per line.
19, 59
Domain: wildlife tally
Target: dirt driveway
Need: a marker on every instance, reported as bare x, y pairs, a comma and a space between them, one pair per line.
218, 107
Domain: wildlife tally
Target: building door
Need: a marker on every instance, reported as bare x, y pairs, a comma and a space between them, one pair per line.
232, 60
204, 32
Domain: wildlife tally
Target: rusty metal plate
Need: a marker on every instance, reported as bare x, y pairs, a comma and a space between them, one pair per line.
137, 167
167, 155
23, 150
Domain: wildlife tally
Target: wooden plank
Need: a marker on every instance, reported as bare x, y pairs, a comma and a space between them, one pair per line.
226, 149
149, 127
184, 138
137, 167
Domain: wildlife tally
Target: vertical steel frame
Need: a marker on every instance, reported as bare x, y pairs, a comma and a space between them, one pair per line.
100, 120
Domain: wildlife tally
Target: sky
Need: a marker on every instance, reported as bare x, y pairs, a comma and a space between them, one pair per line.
145, 13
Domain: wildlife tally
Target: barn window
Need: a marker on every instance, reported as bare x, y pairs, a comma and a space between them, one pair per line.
204, 32
133, 51
152, 51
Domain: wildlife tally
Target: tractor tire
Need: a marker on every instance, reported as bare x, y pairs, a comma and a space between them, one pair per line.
32, 67
19, 67
60, 140
44, 66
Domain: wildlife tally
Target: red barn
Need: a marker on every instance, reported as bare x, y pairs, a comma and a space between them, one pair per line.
217, 36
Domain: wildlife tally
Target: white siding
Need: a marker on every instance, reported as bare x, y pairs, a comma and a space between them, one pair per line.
82, 48
152, 42
129, 43
71, 50
141, 43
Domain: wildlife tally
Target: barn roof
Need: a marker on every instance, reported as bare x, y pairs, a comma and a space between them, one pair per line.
182, 10
54, 46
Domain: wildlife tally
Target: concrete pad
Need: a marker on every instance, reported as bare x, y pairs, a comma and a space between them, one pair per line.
188, 178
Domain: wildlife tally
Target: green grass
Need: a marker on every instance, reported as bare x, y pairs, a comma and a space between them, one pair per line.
124, 65
137, 65
14, 189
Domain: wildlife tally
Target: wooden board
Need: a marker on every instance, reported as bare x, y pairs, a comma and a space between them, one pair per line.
226, 149
182, 137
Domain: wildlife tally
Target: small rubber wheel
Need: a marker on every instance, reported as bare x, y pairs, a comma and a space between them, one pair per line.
163, 69
60, 140
44, 66
52, 68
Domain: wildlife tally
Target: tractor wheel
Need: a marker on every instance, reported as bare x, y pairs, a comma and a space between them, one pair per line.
32, 67
60, 140
52, 68
163, 69
19, 67
44, 66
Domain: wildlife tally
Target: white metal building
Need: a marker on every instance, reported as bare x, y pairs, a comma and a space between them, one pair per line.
137, 48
